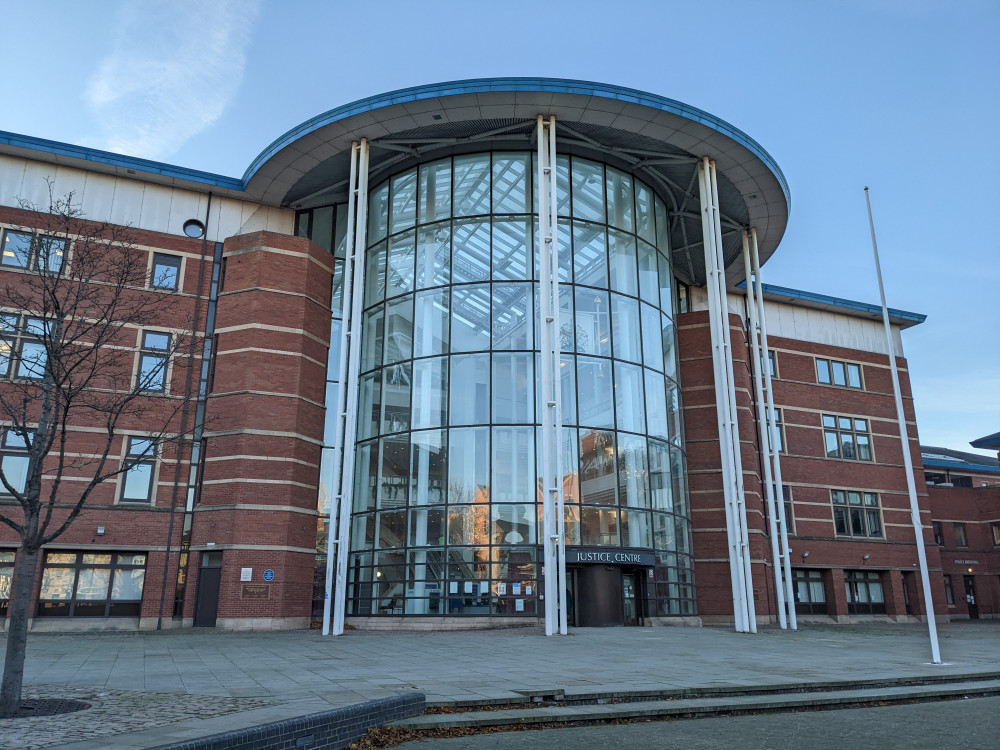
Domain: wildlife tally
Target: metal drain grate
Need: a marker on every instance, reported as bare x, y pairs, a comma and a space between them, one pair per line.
48, 707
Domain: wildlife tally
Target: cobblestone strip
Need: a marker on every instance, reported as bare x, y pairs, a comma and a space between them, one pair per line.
112, 712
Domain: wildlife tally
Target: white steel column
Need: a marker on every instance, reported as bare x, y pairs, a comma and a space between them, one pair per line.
552, 501
725, 402
347, 391
772, 431
760, 360
904, 439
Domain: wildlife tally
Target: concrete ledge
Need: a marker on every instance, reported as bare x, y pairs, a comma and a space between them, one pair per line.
262, 623
327, 730
443, 623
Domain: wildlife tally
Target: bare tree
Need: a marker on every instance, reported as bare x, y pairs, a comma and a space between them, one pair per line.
76, 298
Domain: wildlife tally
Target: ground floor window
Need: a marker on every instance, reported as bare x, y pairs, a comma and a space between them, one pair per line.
92, 584
949, 592
6, 576
864, 592
810, 592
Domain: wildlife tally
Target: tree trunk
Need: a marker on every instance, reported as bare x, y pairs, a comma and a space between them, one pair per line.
25, 567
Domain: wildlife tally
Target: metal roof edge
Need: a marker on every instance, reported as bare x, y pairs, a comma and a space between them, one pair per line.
988, 441
94, 155
515, 84
965, 466
783, 293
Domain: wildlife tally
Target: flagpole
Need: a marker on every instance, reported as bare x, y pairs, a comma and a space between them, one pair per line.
905, 442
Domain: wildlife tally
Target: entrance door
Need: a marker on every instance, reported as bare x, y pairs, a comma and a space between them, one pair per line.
909, 591
206, 608
629, 586
970, 597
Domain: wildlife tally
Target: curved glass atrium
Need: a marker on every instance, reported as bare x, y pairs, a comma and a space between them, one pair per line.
447, 515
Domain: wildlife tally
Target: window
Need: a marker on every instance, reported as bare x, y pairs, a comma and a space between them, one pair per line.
138, 484
864, 592
996, 533
38, 252
847, 437
14, 459
810, 592
949, 593
778, 427
856, 514
938, 533
835, 372
153, 361
166, 272
772, 363
23, 353
786, 496
960, 540
6, 577
92, 584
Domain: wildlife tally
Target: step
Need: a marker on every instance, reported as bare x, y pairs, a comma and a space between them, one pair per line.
689, 707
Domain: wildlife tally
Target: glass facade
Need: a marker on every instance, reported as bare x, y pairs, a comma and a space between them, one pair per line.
447, 503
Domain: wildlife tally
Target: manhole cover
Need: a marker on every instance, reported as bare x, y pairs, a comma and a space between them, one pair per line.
48, 707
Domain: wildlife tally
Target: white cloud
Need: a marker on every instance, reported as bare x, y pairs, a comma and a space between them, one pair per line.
173, 68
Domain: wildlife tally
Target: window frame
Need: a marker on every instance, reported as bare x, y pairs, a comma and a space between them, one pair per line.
866, 579
828, 367
838, 430
809, 576
146, 461
995, 528
13, 451
949, 591
7, 557
18, 330
864, 511
786, 498
161, 354
961, 534
168, 260
938, 529
35, 246
109, 605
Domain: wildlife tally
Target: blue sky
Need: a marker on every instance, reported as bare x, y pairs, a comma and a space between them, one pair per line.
900, 95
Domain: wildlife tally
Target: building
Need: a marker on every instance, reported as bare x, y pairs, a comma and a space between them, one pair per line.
400, 246
964, 491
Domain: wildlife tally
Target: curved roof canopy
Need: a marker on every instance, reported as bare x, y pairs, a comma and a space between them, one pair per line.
661, 140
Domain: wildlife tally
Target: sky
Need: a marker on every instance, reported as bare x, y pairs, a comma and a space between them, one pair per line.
900, 95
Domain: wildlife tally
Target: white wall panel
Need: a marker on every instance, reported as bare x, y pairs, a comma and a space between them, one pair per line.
11, 178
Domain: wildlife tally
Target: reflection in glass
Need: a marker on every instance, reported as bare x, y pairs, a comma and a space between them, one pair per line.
435, 191
470, 318
396, 398
622, 263
649, 277
428, 467
469, 465
430, 382
510, 183
430, 321
595, 391
588, 190
511, 241
625, 328
399, 330
661, 487
513, 465
597, 468
633, 471
621, 213
375, 274
511, 319
590, 254
593, 322
599, 527
513, 389
472, 185
470, 251
470, 389
399, 277
433, 255
652, 342
629, 403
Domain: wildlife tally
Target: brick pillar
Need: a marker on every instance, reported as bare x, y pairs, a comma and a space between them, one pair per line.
892, 590
265, 429
836, 595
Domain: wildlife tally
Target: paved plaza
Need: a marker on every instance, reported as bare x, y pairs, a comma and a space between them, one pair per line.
243, 679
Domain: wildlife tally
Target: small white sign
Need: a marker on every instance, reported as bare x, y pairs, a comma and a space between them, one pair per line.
527, 590
519, 605
516, 586
484, 587
501, 589
453, 587
246, 574
468, 586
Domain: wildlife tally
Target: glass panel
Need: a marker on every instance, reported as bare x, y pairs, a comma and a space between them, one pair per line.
633, 471
510, 184
399, 330
513, 465
426, 528
625, 328
513, 388
6, 349
470, 318
875, 593
636, 529
378, 213
93, 584
854, 376
340, 232
396, 398
621, 212
847, 446
128, 585
470, 251
57, 583
595, 391
138, 481
567, 371
435, 191
472, 185
649, 275
593, 322
394, 475
832, 444
840, 521
629, 403
829, 421
861, 425
622, 263
678, 483
857, 522
823, 373
590, 254
404, 201
645, 223
470, 389
511, 241
874, 523
838, 497
428, 467
588, 190
571, 465
433, 255
599, 526
667, 338
375, 274
652, 341
839, 377
369, 405
469, 524
371, 339
34, 356
16, 249
659, 476
597, 468
666, 280
664, 532
854, 498
430, 380
401, 255
390, 530
864, 448
430, 335
512, 320
366, 477
15, 468
656, 405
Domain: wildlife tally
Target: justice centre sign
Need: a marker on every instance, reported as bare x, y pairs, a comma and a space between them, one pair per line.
610, 557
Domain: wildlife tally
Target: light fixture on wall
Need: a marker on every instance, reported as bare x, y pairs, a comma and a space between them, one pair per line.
100, 531
805, 554
866, 557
